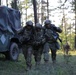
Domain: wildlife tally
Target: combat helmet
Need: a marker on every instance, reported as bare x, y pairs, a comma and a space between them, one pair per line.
29, 23
38, 25
47, 22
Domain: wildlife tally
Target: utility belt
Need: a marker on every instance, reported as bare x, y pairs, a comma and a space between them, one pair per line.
51, 40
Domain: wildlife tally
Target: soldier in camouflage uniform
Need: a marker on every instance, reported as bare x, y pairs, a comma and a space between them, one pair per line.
39, 41
27, 40
51, 34
66, 48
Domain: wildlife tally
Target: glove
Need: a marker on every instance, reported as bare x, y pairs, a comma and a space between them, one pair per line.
43, 40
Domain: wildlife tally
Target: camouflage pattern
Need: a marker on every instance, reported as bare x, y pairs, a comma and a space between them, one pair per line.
46, 52
27, 43
66, 48
51, 38
37, 54
39, 41
50, 35
27, 52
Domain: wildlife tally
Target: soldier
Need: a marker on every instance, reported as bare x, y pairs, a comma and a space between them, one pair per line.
51, 34
39, 41
27, 40
66, 48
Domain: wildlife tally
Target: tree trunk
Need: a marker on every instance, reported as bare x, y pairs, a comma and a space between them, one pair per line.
0, 2
14, 4
42, 13
75, 24
35, 11
26, 12
7, 2
47, 9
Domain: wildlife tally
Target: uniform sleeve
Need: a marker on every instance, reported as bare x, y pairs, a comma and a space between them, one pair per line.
57, 29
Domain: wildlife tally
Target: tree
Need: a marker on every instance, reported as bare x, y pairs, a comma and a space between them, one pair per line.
66, 23
75, 22
74, 8
64, 19
26, 5
44, 10
14, 4
47, 9
0, 2
35, 11
7, 2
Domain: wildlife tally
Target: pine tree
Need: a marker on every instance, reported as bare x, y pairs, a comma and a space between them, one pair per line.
0, 2
14, 4
74, 9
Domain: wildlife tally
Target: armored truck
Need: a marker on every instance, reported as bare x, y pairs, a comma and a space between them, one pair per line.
10, 24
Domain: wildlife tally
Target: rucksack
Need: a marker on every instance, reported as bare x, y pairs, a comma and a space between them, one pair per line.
51, 35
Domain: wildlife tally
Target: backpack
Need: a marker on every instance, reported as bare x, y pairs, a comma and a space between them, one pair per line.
51, 35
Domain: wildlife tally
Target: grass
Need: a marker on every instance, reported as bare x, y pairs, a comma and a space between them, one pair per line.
64, 66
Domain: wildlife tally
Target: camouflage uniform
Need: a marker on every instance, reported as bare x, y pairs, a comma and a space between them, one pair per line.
39, 41
46, 52
51, 38
27, 43
66, 48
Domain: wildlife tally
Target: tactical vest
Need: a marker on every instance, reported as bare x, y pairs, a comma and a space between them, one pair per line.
39, 36
27, 37
51, 36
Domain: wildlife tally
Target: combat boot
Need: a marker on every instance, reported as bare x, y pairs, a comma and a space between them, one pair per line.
37, 63
28, 68
54, 61
46, 62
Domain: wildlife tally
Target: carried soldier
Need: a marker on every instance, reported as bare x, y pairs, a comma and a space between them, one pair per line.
39, 41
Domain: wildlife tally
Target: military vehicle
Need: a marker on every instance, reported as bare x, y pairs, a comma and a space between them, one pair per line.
10, 24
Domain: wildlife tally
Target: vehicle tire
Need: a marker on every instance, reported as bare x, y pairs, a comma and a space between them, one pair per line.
14, 52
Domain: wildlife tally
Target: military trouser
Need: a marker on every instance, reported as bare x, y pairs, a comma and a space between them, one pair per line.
37, 54
46, 52
27, 51
66, 51
53, 47
53, 55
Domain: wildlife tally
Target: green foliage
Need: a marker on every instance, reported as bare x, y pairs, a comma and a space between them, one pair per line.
25, 4
69, 35
74, 4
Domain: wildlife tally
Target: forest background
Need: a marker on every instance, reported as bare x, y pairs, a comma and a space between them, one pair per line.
62, 13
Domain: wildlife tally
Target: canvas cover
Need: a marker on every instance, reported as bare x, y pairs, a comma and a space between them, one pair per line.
9, 19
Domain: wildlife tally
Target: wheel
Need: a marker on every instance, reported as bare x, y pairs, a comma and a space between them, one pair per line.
14, 52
